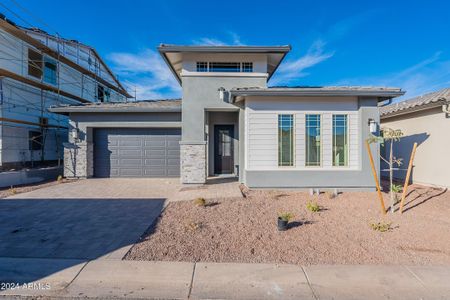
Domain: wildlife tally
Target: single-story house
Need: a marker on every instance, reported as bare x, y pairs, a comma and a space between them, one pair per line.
229, 122
424, 120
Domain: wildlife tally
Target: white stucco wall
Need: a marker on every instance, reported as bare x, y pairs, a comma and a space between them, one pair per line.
262, 130
431, 130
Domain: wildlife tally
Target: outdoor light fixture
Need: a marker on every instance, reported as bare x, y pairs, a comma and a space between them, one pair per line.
75, 134
221, 93
372, 126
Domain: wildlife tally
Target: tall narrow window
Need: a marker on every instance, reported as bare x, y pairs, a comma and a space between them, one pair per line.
285, 140
34, 64
340, 140
50, 71
313, 140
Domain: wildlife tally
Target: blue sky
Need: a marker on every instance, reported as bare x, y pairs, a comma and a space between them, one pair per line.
387, 43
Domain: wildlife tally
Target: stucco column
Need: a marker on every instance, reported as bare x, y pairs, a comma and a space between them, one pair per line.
193, 162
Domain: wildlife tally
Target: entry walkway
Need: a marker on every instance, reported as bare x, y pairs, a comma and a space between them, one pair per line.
182, 280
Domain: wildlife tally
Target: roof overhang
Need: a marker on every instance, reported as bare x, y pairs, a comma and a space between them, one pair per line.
172, 55
381, 93
406, 111
66, 110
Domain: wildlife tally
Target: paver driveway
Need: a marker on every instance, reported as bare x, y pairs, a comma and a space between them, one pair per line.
85, 219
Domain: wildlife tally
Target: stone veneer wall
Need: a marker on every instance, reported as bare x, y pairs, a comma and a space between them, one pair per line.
193, 163
78, 160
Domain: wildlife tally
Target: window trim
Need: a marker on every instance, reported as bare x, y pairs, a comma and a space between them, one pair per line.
320, 114
348, 141
294, 149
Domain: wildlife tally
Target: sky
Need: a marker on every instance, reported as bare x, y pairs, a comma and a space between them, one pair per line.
393, 43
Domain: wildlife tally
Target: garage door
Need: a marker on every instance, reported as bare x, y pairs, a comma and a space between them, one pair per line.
136, 152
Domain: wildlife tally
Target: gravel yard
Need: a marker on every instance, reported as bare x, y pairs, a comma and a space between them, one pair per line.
244, 230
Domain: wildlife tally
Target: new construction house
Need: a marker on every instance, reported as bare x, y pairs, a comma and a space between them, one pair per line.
229, 122
39, 70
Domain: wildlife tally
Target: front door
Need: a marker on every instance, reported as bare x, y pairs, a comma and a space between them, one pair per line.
223, 149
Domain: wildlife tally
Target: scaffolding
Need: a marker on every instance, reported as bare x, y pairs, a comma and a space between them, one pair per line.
29, 134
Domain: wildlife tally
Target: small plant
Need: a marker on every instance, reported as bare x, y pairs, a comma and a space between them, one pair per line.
396, 189
381, 226
193, 226
12, 190
59, 179
312, 206
200, 202
283, 220
286, 216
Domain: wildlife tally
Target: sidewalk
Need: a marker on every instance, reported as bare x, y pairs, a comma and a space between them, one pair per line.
53, 278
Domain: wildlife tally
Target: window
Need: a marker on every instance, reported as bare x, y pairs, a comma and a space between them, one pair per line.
247, 67
100, 93
35, 140
340, 140
50, 71
224, 67
313, 143
34, 64
285, 140
202, 66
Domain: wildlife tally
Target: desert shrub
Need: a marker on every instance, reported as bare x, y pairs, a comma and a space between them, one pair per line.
193, 226
286, 216
312, 206
60, 178
381, 226
200, 201
12, 190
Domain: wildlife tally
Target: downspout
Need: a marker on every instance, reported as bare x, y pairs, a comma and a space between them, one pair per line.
446, 109
385, 102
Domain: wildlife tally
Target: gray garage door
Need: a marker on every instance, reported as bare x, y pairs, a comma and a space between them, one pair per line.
136, 152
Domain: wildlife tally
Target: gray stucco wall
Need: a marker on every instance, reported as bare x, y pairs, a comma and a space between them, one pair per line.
79, 153
361, 179
200, 96
200, 93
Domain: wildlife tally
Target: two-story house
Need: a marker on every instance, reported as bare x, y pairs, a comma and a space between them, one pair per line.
230, 122
39, 70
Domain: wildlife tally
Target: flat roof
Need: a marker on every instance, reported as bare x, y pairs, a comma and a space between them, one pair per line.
381, 92
422, 102
166, 105
172, 54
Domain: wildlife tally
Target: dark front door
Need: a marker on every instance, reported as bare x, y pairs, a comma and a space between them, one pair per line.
223, 149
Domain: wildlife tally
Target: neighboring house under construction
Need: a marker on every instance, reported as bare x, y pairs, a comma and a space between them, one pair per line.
38, 70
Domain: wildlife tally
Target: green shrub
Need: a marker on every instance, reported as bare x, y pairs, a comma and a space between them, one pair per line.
312, 206
381, 226
60, 178
286, 216
200, 202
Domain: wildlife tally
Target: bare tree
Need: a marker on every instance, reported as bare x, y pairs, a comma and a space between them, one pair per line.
390, 136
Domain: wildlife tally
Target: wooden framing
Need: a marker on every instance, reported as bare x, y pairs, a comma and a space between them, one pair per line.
31, 123
40, 85
13, 30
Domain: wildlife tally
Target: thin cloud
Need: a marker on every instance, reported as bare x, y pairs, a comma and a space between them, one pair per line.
428, 75
293, 69
233, 39
146, 72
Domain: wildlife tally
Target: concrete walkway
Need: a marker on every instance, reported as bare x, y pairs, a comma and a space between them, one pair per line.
181, 280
